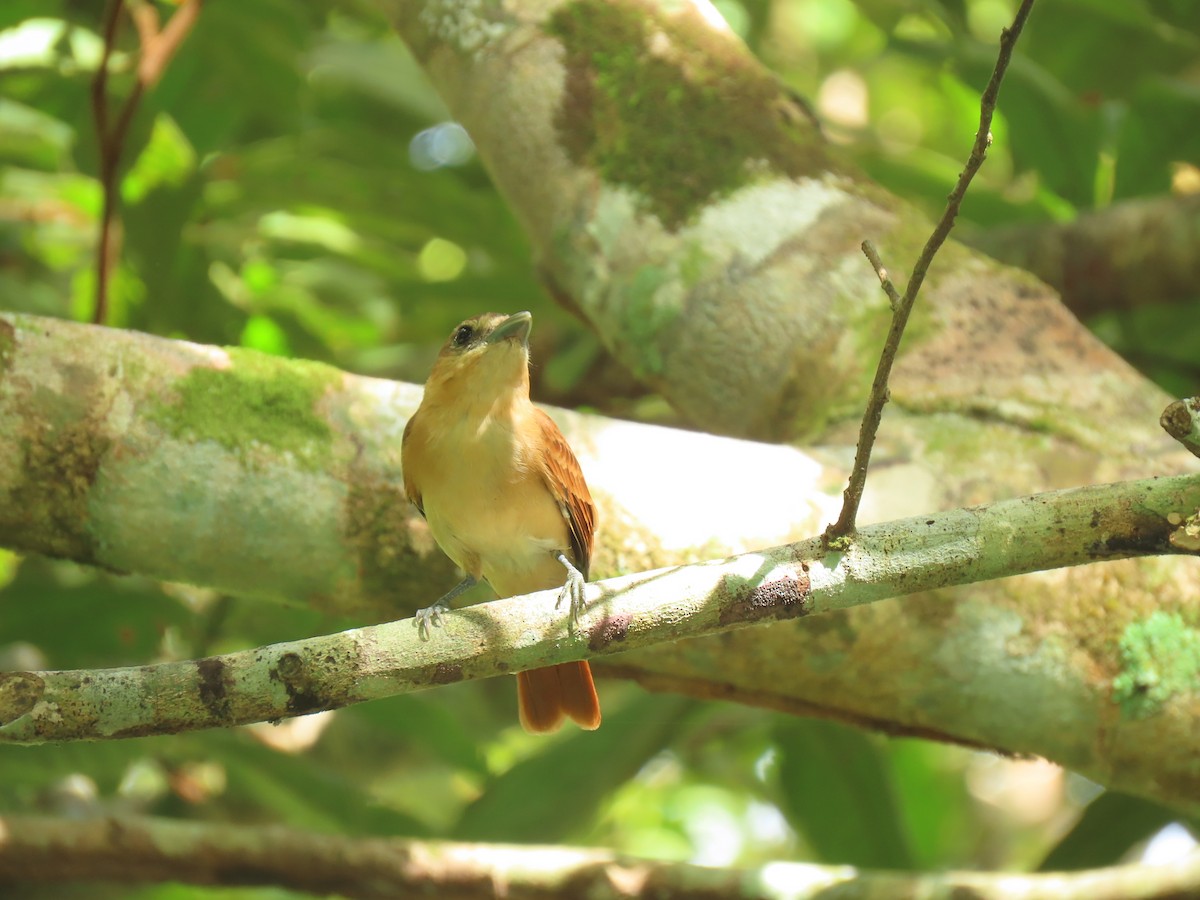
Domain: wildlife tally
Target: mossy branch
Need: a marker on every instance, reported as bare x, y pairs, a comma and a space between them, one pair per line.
1044, 531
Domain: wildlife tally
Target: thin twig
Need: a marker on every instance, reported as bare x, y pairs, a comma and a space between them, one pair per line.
112, 19
157, 49
836, 534
885, 280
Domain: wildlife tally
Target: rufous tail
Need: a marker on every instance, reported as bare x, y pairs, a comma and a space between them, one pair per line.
547, 696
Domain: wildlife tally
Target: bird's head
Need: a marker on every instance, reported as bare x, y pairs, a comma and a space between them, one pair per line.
485, 358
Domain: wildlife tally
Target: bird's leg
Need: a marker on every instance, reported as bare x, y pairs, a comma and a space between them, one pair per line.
432, 615
572, 589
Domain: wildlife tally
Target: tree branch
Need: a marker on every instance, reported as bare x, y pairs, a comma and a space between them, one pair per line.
1122, 257
1181, 420
135, 850
841, 529
1060, 528
267, 477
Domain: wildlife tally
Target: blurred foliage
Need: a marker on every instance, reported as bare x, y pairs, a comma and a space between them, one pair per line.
293, 185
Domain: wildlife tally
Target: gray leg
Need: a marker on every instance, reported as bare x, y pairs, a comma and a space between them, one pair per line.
431, 616
572, 589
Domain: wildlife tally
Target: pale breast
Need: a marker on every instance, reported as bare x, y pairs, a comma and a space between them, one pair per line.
491, 512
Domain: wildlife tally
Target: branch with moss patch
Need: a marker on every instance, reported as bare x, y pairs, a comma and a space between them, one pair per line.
139, 850
1044, 531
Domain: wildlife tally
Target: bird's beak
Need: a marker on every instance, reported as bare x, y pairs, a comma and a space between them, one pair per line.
516, 326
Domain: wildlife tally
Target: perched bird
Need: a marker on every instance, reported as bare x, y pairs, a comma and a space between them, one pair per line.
503, 495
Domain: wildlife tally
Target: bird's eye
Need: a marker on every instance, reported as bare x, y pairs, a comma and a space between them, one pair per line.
463, 335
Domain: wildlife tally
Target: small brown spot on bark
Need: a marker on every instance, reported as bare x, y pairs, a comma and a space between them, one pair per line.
446, 673
780, 598
610, 629
215, 681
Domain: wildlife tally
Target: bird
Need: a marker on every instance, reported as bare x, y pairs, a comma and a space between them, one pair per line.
504, 497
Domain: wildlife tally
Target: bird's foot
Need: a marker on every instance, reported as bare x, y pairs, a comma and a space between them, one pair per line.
573, 593
430, 617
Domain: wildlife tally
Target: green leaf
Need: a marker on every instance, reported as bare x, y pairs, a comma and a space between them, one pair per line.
166, 159
297, 789
125, 617
555, 792
423, 721
837, 792
1108, 828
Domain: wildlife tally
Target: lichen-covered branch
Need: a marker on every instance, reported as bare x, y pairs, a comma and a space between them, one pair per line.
136, 454
272, 478
684, 204
635, 611
135, 850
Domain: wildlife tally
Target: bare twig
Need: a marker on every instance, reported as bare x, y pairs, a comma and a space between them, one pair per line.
836, 535
885, 280
112, 18
157, 48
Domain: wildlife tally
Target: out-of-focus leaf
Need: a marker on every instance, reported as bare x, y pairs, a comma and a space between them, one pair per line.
1130, 31
1159, 127
46, 604
423, 721
837, 791
1050, 131
548, 796
31, 137
1108, 828
298, 791
26, 773
384, 69
167, 159
933, 803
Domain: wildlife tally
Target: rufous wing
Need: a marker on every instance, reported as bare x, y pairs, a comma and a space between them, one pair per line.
564, 477
408, 452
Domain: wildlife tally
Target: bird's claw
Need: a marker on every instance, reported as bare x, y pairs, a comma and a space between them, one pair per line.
429, 617
573, 592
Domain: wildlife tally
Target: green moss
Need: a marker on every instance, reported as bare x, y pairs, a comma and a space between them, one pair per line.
8, 344
646, 317
63, 443
60, 466
680, 120
377, 528
466, 25
1160, 657
259, 399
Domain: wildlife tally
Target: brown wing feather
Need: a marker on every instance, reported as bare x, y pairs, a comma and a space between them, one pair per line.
410, 486
562, 474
